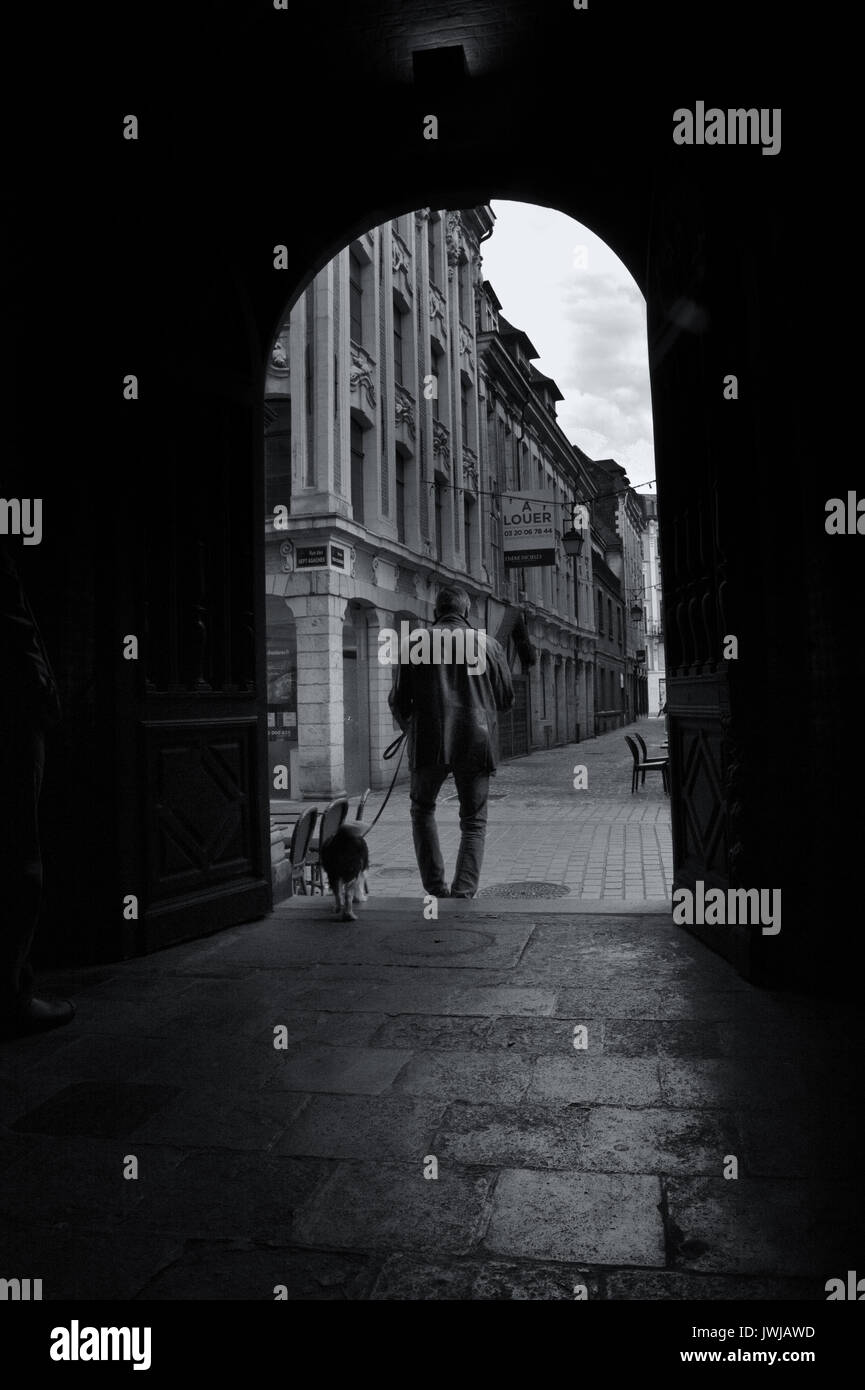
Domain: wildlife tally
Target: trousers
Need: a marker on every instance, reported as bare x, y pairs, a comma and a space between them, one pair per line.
22, 762
472, 790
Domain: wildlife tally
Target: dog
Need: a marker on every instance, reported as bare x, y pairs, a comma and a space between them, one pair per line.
345, 860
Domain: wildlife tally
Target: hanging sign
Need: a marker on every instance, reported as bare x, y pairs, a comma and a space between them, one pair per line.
530, 526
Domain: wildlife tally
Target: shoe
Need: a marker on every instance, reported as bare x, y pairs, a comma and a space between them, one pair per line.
438, 892
38, 1017
462, 895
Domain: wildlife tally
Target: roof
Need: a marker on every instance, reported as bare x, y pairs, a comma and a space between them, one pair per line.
507, 330
491, 294
538, 379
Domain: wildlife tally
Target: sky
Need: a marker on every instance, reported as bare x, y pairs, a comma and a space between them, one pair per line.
584, 313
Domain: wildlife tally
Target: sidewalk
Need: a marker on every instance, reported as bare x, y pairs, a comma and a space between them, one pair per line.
309, 1165
602, 843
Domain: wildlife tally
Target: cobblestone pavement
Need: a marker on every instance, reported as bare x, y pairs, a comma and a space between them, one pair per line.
283, 1088
603, 843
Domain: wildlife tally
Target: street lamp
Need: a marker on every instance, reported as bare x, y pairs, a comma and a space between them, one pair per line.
573, 540
636, 605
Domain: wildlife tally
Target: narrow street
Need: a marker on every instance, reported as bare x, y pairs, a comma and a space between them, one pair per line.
600, 842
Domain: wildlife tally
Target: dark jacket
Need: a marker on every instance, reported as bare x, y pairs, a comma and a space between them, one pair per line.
450, 716
26, 677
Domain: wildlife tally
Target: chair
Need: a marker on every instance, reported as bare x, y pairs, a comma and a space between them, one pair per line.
644, 752
298, 851
644, 765
331, 819
362, 803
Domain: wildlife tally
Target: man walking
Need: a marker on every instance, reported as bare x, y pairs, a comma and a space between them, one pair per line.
449, 712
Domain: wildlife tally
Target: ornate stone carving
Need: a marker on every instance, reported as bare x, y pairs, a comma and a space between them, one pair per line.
466, 340
421, 215
441, 443
454, 238
470, 468
362, 368
384, 573
352, 561
404, 408
286, 550
279, 352
400, 253
438, 309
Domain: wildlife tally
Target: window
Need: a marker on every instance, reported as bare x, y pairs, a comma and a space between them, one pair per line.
495, 552
398, 325
600, 614
436, 367
467, 532
357, 472
400, 498
610, 618
355, 300
438, 509
431, 228
277, 454
464, 413
619, 616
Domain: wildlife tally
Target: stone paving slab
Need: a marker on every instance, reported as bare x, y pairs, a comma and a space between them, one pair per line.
668, 1284
466, 1076
220, 1118
631, 1140
516, 1136
599, 1218
363, 1127
70, 1179
237, 1271
217, 1193
403, 999
766, 1226
758, 1083
406, 1278
354, 1071
425, 1033
75, 1262
380, 1206
583, 1078
318, 939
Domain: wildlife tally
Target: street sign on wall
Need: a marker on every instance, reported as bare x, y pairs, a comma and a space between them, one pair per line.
530, 527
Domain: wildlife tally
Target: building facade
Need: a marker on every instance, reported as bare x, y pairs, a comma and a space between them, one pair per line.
620, 520
403, 410
653, 600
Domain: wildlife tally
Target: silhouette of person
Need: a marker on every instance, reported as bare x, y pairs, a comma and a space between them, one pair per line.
29, 705
450, 718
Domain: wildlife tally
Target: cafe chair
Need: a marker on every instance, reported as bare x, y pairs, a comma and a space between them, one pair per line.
298, 851
331, 819
643, 765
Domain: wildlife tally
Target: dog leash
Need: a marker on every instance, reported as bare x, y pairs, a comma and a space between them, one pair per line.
389, 752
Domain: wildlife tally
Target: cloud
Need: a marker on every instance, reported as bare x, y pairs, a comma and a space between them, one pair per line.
607, 408
587, 318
